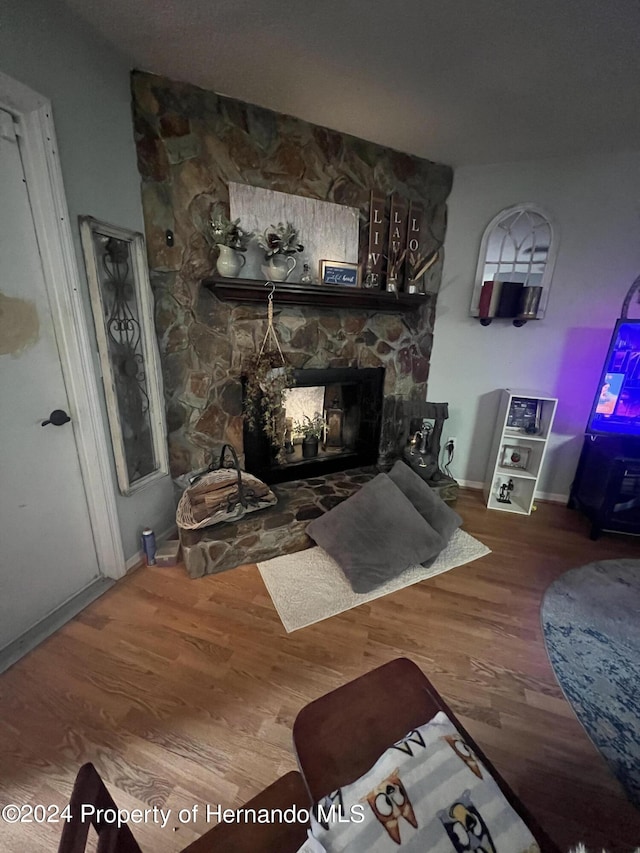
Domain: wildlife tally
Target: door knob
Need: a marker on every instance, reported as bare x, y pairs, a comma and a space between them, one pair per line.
57, 418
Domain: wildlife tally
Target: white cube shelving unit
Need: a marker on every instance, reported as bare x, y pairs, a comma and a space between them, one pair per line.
523, 427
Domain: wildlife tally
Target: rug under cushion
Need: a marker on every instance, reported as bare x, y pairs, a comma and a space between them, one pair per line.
310, 586
591, 624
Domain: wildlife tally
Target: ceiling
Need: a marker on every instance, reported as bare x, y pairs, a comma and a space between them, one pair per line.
456, 81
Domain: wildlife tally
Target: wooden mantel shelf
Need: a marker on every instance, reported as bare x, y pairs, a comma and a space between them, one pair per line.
326, 296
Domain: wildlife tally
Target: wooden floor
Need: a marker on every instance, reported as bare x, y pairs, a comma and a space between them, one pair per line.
184, 691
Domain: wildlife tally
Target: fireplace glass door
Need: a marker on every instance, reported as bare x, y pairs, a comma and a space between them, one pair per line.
340, 407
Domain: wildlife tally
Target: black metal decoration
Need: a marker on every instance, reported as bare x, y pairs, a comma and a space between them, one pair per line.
123, 316
505, 491
127, 357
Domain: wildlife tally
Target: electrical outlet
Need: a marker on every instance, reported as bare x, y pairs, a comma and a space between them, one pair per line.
451, 444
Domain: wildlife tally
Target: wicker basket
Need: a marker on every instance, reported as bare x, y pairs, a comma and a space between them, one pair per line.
248, 494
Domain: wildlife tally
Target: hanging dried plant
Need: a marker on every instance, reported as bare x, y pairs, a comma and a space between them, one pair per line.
266, 379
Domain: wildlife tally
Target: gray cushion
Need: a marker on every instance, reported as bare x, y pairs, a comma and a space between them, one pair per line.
427, 502
375, 535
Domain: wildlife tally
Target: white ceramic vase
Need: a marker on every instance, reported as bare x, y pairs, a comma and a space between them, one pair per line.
279, 267
229, 261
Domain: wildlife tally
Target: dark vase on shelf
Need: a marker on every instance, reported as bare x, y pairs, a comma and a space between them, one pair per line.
309, 447
274, 450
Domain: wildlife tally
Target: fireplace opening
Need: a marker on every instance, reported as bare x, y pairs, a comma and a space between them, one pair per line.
346, 405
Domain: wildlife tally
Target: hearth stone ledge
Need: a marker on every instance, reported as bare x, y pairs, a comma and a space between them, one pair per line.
272, 532
281, 529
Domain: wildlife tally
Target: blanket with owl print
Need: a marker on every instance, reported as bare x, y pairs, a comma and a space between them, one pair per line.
427, 792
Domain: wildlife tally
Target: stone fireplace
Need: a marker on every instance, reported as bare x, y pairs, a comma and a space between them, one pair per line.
191, 144
384, 356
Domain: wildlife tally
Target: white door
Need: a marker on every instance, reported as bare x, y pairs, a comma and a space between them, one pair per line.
47, 552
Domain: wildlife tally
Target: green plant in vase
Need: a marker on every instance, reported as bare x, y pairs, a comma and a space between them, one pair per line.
279, 242
312, 431
229, 238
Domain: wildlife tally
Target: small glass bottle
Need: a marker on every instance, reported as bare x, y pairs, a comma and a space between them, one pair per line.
306, 277
371, 279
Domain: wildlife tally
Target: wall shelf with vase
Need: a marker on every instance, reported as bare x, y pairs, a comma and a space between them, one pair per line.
328, 296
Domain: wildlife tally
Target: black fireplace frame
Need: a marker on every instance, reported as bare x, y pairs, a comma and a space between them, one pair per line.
259, 456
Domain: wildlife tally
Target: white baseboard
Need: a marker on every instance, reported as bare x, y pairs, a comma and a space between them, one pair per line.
170, 533
471, 484
50, 624
35, 635
552, 497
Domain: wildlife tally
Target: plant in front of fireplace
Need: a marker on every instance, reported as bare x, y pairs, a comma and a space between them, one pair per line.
311, 430
266, 381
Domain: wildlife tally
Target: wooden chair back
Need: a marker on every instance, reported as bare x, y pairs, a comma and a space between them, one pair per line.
90, 790
371, 713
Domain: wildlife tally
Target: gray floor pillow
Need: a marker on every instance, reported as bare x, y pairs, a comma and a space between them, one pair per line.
375, 535
427, 502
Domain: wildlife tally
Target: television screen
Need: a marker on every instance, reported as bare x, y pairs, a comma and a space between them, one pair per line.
616, 407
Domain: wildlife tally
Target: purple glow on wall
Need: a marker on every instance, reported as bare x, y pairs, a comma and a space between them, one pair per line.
576, 374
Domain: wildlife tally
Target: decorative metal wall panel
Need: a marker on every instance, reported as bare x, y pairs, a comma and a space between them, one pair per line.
123, 316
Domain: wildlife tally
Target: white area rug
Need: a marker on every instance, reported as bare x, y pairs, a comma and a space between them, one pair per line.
309, 586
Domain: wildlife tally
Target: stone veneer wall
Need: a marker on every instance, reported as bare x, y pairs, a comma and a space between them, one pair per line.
190, 144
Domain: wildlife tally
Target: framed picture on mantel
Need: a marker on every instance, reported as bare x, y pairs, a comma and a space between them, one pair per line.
339, 272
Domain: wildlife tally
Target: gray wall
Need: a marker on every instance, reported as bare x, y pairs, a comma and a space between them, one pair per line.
595, 204
45, 47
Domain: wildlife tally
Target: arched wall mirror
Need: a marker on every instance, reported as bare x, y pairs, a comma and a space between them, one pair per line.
518, 245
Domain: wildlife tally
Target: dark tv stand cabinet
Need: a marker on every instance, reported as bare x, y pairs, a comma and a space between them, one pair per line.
607, 484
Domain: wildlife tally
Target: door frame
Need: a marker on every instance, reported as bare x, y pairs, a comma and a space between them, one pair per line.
64, 287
